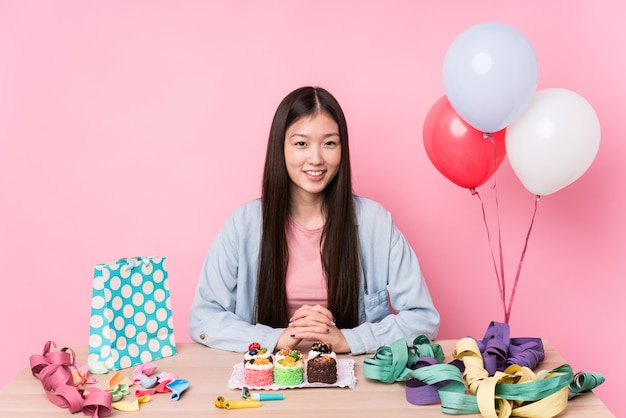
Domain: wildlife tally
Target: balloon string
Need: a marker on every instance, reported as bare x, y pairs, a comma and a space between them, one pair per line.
499, 273
488, 136
493, 258
495, 188
521, 261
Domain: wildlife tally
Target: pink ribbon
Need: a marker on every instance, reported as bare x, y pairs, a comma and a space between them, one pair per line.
54, 370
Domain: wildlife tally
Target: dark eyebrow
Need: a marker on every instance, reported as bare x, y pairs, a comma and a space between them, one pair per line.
328, 135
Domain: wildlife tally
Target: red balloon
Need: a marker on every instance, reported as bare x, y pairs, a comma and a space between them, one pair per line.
466, 156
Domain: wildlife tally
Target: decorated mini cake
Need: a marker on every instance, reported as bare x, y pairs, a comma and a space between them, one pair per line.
288, 367
255, 351
321, 364
258, 368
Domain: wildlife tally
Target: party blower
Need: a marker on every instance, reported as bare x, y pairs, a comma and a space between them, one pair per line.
245, 394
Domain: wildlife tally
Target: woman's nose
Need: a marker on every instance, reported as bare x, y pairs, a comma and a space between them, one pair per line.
315, 157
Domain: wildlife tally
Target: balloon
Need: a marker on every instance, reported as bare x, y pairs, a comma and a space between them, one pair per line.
554, 141
490, 74
460, 152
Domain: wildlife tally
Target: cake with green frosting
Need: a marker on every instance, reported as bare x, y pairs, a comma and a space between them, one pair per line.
288, 368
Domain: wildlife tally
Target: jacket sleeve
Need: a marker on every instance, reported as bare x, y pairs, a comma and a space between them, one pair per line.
221, 315
396, 302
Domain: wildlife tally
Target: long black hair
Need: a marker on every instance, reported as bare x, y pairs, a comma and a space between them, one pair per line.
340, 243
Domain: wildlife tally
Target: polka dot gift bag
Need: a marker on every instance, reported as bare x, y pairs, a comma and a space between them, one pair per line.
131, 313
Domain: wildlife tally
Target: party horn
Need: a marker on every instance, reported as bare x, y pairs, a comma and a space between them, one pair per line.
245, 394
230, 404
220, 402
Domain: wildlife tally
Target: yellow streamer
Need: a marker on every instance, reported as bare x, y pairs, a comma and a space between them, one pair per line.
484, 386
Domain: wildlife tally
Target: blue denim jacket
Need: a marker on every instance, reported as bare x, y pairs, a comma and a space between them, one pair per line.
222, 311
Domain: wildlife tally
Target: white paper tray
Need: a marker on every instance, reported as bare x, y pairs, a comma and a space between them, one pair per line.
345, 378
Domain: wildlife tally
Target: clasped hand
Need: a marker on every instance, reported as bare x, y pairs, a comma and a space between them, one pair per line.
314, 323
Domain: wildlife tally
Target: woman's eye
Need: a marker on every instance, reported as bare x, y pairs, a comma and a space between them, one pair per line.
300, 143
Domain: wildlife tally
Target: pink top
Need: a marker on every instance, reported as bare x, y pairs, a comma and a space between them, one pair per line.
305, 280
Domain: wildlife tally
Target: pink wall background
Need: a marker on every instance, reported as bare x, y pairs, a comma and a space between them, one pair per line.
135, 128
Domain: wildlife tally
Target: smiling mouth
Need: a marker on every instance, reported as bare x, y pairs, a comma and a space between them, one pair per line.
314, 173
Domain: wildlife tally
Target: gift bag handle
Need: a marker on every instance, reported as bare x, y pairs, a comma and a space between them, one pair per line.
129, 262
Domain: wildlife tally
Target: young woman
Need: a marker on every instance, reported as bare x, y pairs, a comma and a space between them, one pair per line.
310, 260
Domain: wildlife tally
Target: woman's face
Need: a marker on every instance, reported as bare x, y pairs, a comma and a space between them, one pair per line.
312, 153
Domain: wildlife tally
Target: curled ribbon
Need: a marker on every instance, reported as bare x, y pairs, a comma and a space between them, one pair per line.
584, 382
493, 394
517, 388
55, 371
500, 351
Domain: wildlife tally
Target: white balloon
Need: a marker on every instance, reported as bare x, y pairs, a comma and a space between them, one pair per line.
554, 141
490, 74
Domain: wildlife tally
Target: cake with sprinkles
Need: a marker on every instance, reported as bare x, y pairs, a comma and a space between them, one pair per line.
258, 368
288, 367
321, 364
